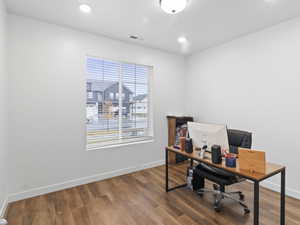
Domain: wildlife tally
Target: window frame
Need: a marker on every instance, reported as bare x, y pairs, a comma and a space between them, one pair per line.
135, 140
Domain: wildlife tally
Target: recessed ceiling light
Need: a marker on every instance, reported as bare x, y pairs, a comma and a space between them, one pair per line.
85, 8
133, 37
173, 6
182, 40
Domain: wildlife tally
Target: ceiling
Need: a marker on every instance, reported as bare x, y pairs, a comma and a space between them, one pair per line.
204, 23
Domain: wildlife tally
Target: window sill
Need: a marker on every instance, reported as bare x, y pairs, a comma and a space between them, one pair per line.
120, 143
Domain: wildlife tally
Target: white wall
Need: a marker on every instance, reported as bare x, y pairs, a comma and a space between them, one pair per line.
252, 83
3, 105
47, 100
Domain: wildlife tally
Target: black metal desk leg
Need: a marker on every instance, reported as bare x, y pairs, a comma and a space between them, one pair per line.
167, 174
282, 198
191, 162
256, 203
167, 170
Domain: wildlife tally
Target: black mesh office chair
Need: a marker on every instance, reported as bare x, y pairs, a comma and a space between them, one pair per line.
222, 178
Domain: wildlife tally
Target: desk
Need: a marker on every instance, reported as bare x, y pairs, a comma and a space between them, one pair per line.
271, 170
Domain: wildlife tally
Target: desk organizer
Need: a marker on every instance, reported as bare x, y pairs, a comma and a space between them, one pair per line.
230, 162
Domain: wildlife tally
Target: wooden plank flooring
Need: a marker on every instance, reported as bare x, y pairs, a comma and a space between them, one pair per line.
140, 199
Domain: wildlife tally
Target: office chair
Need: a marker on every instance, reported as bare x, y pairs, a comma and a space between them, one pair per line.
223, 178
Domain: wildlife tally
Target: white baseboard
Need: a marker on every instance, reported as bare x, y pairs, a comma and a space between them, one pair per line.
98, 177
3, 207
84, 180
275, 187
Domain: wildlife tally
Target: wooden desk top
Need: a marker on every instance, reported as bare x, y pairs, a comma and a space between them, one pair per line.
271, 168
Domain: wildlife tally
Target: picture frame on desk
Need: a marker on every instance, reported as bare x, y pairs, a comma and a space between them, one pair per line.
252, 160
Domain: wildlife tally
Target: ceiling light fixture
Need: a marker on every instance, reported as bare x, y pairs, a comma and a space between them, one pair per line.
173, 6
85, 8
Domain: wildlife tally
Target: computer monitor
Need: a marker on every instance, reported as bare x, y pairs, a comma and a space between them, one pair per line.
208, 134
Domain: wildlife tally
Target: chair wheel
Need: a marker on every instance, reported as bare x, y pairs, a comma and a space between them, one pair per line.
246, 211
217, 206
242, 197
217, 209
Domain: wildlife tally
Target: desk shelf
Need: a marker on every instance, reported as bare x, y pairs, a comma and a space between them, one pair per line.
174, 123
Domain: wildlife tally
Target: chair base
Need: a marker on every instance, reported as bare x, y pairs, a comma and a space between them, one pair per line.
220, 194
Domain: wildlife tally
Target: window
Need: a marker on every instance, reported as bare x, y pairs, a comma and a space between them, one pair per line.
89, 86
123, 96
122, 114
99, 96
90, 94
111, 96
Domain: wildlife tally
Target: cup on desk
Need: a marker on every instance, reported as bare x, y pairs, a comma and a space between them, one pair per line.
189, 145
216, 154
230, 160
202, 154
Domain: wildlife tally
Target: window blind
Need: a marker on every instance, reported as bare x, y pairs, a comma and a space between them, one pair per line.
117, 106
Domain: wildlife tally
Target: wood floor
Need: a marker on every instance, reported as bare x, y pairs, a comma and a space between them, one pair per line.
140, 199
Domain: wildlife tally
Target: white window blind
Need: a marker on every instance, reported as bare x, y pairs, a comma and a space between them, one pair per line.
121, 115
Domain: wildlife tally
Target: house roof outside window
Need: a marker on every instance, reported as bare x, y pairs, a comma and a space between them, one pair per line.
140, 97
101, 86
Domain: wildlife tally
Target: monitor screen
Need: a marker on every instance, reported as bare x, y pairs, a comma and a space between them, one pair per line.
208, 134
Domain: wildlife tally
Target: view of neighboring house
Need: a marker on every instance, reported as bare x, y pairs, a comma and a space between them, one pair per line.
141, 105
104, 97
